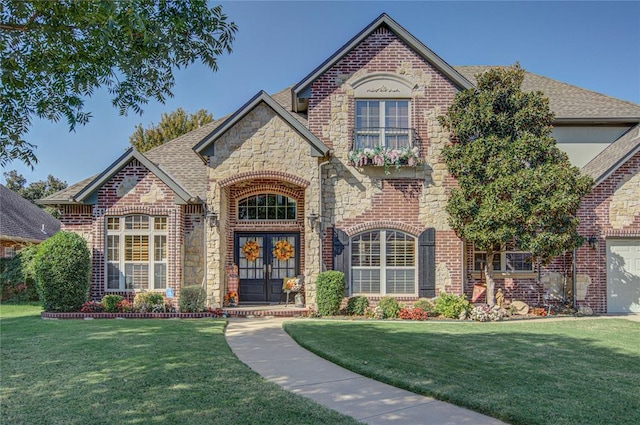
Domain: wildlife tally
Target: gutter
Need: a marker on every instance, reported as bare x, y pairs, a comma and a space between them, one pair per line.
320, 212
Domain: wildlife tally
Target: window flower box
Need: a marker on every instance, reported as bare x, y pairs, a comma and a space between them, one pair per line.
382, 157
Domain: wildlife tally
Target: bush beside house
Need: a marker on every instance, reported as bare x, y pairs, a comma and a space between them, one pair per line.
63, 272
330, 292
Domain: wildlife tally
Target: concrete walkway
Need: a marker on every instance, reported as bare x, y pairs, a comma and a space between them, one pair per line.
266, 348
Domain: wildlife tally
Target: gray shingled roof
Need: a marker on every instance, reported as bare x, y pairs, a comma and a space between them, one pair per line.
21, 220
567, 101
614, 155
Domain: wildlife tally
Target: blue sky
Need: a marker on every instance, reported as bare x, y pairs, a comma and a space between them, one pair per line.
594, 45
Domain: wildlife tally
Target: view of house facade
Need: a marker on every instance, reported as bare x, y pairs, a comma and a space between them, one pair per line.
274, 189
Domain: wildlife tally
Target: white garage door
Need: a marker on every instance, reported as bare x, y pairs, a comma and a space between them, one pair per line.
623, 275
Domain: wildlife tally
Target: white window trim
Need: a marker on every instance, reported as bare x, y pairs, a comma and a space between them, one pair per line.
382, 118
503, 261
151, 232
383, 266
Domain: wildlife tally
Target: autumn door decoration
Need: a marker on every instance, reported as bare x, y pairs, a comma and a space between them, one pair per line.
283, 250
251, 250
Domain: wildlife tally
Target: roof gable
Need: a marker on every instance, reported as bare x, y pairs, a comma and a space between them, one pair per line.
22, 221
614, 156
88, 192
383, 20
206, 145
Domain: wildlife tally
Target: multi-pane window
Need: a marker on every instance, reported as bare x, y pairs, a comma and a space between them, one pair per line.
267, 206
383, 262
383, 123
509, 259
136, 252
9, 251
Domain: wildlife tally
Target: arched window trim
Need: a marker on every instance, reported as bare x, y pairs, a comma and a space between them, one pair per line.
286, 211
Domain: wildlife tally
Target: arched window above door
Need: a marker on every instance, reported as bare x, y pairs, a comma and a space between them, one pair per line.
266, 206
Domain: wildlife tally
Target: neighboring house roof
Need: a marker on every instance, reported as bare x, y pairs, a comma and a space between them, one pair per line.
614, 155
570, 103
205, 146
300, 89
22, 221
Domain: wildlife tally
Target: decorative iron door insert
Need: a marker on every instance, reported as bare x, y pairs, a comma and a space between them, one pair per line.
264, 260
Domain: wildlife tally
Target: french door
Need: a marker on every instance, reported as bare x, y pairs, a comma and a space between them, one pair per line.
264, 260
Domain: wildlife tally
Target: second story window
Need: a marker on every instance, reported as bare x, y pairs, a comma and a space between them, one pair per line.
382, 123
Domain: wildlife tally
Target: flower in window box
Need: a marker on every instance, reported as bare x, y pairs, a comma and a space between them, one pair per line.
383, 157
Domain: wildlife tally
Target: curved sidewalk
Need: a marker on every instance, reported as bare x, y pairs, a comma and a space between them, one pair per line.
266, 348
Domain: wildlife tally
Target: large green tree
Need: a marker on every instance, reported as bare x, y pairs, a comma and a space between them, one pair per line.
57, 53
171, 125
35, 190
514, 185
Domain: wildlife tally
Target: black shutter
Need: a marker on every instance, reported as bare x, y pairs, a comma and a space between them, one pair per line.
427, 264
341, 254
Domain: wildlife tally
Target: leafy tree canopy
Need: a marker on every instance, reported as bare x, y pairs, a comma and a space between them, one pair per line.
35, 190
55, 54
171, 125
514, 185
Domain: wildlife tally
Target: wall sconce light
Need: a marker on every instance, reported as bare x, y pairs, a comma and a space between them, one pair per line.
212, 218
593, 242
313, 220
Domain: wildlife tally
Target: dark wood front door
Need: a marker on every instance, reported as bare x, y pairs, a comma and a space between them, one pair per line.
264, 260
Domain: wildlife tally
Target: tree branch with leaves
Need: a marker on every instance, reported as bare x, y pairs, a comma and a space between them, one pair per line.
55, 54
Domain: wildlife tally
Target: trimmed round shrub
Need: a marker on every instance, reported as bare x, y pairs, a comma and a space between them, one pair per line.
110, 302
63, 272
329, 292
192, 299
390, 307
357, 306
452, 306
145, 302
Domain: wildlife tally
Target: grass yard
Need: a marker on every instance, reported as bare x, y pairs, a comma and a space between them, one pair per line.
580, 371
135, 372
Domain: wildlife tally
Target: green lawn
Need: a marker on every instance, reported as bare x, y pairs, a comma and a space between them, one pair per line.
135, 372
579, 371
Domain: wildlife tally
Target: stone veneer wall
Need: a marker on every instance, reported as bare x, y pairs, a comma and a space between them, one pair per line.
194, 245
412, 198
260, 154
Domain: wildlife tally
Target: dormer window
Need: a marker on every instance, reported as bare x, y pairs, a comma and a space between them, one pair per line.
382, 123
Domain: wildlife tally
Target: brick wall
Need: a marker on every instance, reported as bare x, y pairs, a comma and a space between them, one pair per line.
134, 190
412, 199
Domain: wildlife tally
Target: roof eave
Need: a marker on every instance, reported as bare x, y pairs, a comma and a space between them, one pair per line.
596, 120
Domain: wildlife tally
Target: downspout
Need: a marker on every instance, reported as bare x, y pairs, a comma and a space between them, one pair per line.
320, 212
204, 247
574, 270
